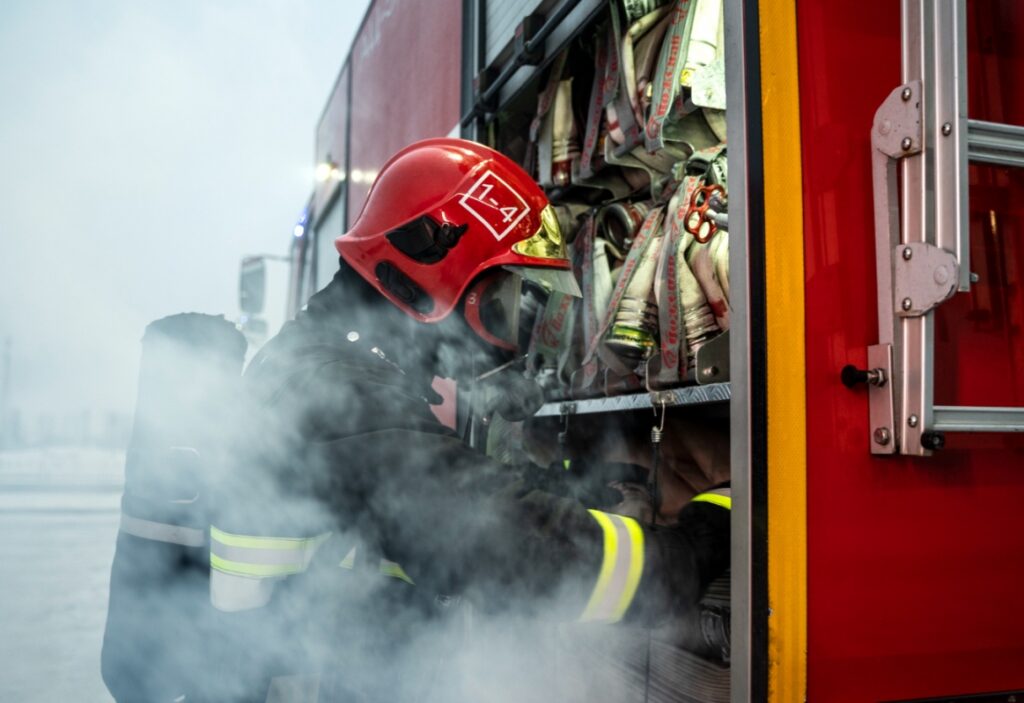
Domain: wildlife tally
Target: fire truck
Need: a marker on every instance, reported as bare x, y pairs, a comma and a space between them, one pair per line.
872, 367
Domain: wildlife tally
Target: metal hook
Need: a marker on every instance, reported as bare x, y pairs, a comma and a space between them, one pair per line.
647, 379
658, 430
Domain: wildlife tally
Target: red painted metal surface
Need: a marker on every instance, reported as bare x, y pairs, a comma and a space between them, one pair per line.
406, 68
914, 566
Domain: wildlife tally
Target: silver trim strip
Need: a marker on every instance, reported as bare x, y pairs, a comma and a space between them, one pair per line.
953, 418
944, 74
686, 395
739, 360
994, 143
162, 531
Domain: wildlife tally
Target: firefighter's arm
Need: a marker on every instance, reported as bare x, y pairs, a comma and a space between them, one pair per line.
460, 523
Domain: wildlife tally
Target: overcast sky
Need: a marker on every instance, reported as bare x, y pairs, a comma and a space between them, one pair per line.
145, 147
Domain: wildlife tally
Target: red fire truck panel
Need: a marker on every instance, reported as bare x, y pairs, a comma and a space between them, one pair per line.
406, 70
914, 565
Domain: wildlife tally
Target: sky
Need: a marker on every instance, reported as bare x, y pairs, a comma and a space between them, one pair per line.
145, 147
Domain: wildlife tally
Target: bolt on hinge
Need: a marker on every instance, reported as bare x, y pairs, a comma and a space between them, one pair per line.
924, 276
884, 434
897, 128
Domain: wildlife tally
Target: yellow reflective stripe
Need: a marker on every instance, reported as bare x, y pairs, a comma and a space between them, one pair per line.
604, 577
349, 562
257, 570
621, 568
250, 542
395, 571
636, 566
720, 500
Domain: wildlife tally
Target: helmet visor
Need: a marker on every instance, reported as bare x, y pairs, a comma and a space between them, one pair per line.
547, 243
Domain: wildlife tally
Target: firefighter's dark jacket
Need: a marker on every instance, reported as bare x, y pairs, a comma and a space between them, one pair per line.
341, 440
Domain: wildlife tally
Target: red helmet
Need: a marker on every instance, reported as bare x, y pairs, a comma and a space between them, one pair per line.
441, 213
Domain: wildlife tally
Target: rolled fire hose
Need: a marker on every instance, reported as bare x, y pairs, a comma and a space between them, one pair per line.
703, 44
623, 128
710, 260
720, 255
601, 94
539, 164
666, 83
596, 284
564, 140
707, 88
549, 344
635, 9
629, 329
558, 144
640, 46
686, 321
699, 257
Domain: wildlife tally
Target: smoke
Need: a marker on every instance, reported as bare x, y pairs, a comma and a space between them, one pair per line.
147, 148
325, 438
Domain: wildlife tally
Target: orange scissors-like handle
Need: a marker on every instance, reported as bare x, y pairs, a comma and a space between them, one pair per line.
697, 214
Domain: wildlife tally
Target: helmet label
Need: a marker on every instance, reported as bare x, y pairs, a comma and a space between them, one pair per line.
495, 203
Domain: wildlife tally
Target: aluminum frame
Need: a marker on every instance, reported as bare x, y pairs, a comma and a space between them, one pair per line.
994, 143
955, 418
749, 679
923, 246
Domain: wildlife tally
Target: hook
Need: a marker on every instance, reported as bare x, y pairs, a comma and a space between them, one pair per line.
659, 429
647, 379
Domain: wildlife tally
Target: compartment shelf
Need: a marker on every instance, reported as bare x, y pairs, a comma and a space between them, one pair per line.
672, 397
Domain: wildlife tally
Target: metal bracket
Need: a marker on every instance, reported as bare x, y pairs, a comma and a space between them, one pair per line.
924, 276
881, 404
711, 364
895, 135
897, 129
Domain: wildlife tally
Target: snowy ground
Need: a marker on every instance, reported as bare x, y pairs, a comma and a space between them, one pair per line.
58, 522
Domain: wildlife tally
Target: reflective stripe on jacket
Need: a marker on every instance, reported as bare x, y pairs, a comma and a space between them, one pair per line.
623, 562
721, 497
244, 568
621, 567
162, 531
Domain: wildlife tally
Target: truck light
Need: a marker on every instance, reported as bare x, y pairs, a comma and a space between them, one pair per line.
324, 171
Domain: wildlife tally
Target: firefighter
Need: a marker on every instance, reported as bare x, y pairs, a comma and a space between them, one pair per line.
343, 474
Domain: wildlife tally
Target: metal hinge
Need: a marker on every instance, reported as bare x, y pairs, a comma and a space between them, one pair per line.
921, 140
924, 276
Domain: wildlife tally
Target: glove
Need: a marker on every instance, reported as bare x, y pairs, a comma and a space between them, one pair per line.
511, 394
